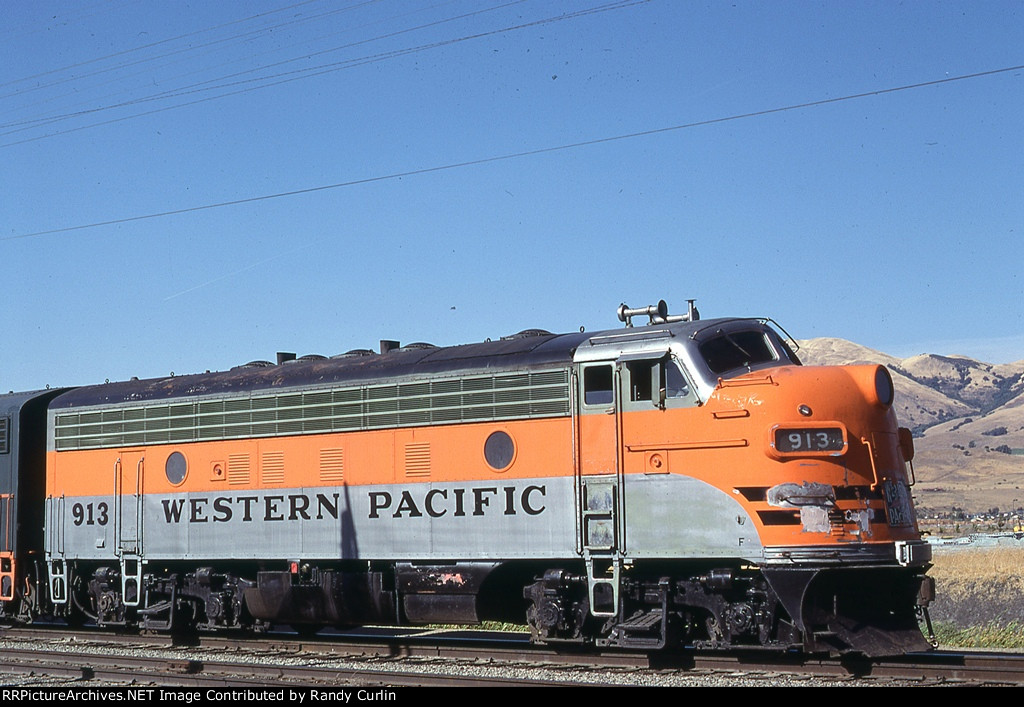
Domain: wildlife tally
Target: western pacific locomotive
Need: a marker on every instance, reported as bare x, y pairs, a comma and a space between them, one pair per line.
683, 482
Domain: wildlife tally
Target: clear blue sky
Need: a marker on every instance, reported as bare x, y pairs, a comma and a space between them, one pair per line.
893, 219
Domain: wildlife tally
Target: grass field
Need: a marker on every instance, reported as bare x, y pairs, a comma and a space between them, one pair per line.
979, 597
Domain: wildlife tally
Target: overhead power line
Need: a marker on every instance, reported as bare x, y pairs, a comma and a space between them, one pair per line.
229, 87
525, 153
133, 50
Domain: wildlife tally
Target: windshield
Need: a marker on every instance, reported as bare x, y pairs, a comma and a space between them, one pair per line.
740, 349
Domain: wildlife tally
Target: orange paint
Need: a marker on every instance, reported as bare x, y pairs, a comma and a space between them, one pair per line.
727, 443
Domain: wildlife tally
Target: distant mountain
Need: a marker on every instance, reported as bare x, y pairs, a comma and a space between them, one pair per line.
967, 417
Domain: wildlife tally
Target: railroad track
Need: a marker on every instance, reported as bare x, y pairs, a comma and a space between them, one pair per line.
144, 671
442, 658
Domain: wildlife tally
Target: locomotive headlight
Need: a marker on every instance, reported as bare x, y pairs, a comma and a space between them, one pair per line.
876, 384
884, 389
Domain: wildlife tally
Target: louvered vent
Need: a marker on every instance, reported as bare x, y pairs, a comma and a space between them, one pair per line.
272, 468
332, 465
500, 396
238, 469
417, 459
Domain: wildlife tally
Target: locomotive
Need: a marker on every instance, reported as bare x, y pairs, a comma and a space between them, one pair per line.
683, 482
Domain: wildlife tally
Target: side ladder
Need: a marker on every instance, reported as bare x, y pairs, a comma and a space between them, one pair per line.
600, 544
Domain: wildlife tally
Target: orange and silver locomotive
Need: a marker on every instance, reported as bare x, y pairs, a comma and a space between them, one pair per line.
684, 482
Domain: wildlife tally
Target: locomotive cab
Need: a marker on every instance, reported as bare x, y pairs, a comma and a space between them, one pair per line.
790, 479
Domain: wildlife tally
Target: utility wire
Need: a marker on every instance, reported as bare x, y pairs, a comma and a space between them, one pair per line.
202, 86
246, 85
517, 155
191, 49
140, 48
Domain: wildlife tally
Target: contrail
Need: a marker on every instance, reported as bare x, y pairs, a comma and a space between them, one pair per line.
238, 272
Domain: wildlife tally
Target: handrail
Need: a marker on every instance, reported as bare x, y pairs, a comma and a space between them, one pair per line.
874, 467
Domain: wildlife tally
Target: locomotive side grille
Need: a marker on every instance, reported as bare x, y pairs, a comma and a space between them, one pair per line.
446, 386
323, 398
416, 418
382, 419
417, 459
451, 414
489, 397
347, 417
321, 422
272, 468
238, 469
544, 409
332, 465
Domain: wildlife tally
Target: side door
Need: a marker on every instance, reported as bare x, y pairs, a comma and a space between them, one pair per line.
599, 482
129, 470
651, 384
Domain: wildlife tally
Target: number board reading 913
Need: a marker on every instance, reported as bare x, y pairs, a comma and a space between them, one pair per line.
820, 439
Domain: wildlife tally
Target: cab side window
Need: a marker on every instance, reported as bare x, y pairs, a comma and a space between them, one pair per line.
641, 377
597, 385
656, 383
676, 385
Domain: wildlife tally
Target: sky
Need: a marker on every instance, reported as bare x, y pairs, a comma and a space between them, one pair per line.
191, 185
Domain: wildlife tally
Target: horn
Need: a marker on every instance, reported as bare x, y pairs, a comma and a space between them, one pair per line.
655, 312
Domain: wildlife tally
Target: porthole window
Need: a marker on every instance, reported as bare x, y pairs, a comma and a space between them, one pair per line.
499, 450
176, 468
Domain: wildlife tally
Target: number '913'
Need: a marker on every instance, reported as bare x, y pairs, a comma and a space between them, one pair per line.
89, 514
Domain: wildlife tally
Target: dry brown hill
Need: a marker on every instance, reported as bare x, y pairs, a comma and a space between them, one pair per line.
967, 417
